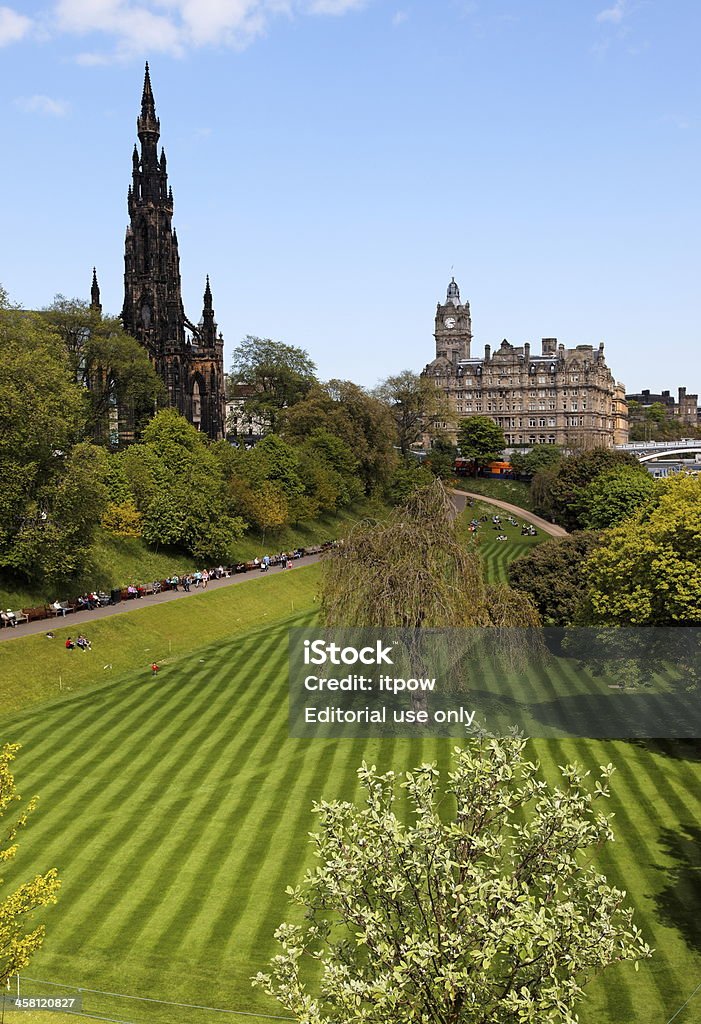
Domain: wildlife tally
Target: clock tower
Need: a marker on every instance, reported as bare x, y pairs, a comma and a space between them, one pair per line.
453, 331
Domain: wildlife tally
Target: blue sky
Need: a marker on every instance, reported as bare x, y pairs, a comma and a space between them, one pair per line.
332, 160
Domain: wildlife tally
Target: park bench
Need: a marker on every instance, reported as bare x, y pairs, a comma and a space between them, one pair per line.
40, 611
64, 609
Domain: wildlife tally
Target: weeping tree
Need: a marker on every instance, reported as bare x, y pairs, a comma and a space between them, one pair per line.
413, 572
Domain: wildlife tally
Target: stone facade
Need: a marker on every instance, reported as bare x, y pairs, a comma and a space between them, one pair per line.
558, 396
243, 428
620, 415
188, 357
685, 408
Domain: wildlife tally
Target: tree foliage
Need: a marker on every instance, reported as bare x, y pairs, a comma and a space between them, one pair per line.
20, 936
557, 491
480, 440
646, 570
53, 486
539, 457
551, 574
614, 496
412, 570
481, 905
281, 375
179, 487
418, 406
361, 421
114, 366
441, 457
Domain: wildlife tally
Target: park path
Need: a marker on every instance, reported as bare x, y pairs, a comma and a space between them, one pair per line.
550, 528
79, 618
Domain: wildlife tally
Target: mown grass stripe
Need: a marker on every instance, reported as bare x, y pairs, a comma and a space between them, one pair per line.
197, 769
264, 730
639, 833
132, 790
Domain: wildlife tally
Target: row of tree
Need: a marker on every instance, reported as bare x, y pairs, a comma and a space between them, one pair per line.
66, 374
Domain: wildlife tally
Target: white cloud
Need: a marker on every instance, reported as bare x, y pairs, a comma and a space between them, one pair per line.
399, 17
334, 6
615, 14
143, 27
13, 26
42, 105
135, 28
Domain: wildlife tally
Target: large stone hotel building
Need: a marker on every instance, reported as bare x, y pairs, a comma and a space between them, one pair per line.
564, 396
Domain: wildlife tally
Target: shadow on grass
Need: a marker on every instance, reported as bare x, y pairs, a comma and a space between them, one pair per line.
680, 750
679, 902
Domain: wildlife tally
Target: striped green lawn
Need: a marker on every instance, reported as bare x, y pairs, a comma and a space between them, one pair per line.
177, 810
496, 554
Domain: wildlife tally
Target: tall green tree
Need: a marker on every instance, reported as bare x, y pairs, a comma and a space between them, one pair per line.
647, 570
281, 375
614, 496
418, 406
480, 440
441, 457
539, 457
50, 480
551, 574
179, 486
20, 935
363, 423
113, 366
557, 491
479, 905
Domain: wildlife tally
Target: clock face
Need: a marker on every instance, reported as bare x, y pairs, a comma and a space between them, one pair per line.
449, 322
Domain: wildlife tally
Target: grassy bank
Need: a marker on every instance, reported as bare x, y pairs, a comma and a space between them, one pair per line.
177, 808
118, 561
34, 669
514, 491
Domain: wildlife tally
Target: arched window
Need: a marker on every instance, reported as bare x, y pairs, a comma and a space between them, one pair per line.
196, 404
144, 246
112, 413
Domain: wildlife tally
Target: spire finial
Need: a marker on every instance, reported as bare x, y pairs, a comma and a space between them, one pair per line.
147, 121
95, 293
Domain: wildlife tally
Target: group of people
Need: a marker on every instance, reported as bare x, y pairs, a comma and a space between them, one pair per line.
284, 560
88, 600
81, 642
194, 579
527, 529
